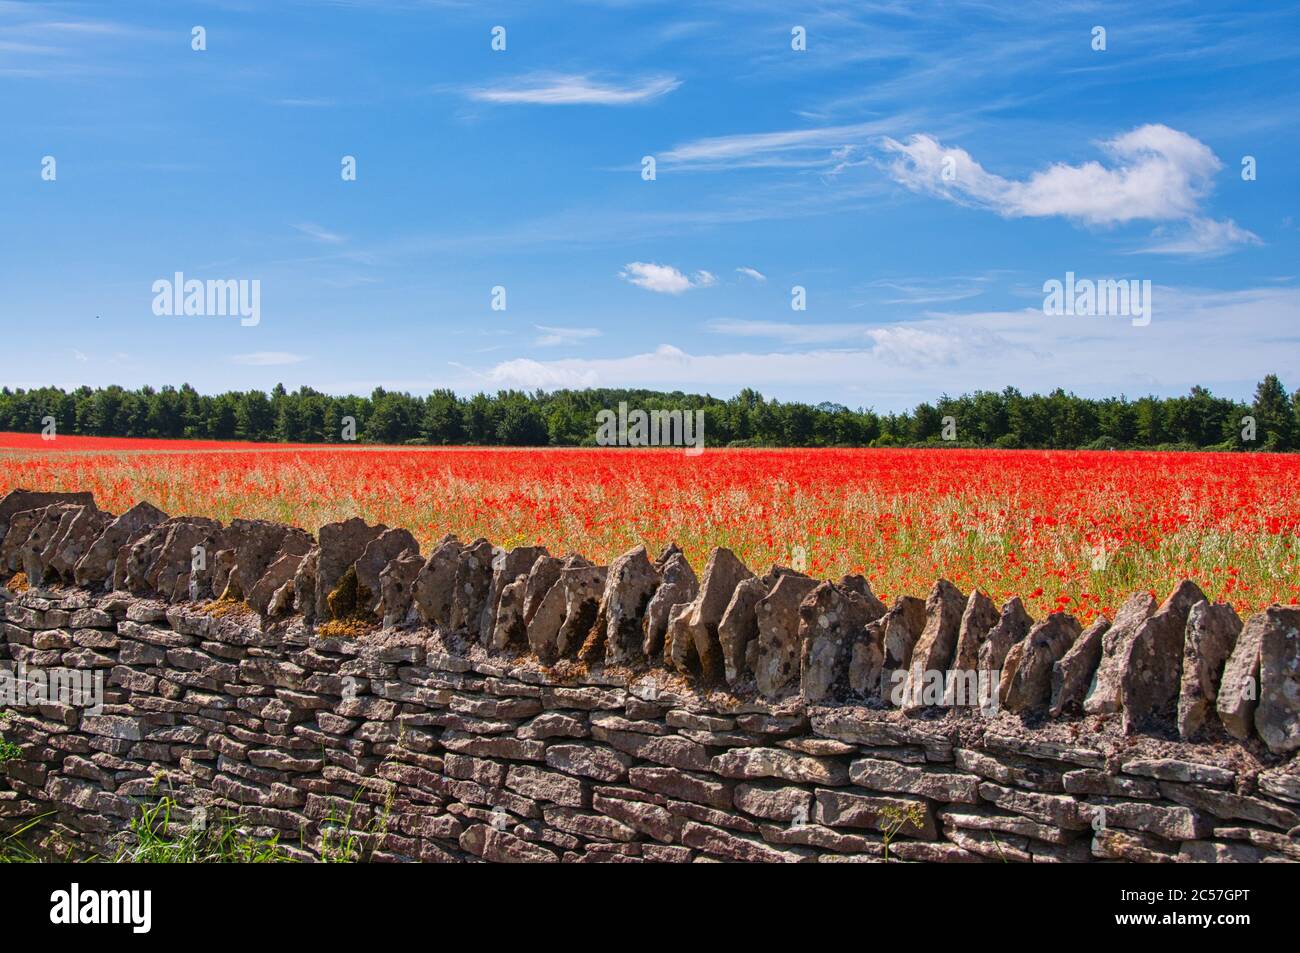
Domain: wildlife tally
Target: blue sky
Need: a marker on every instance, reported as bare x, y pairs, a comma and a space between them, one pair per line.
775, 168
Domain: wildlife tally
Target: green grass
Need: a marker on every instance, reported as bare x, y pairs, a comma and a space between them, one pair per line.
344, 843
13, 846
157, 839
8, 750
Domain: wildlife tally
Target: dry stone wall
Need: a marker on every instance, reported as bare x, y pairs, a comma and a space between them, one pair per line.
478, 703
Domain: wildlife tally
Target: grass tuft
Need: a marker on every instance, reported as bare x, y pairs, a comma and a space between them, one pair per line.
157, 839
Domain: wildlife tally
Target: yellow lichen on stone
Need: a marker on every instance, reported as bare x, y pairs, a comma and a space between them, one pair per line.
220, 608
352, 627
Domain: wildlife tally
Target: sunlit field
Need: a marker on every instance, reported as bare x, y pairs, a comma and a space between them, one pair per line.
1064, 530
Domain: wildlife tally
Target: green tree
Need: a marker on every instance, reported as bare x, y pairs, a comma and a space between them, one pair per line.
520, 423
442, 418
1274, 415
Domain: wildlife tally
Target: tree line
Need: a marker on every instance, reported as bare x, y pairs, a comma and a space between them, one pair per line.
1009, 419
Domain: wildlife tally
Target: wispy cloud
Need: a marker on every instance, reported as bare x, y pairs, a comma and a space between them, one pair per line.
319, 233
752, 273
664, 279
822, 147
575, 90
553, 336
96, 27
931, 291
68, 47
304, 103
790, 332
1200, 238
912, 344
268, 358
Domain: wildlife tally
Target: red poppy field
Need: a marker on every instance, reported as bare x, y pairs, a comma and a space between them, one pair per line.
1064, 530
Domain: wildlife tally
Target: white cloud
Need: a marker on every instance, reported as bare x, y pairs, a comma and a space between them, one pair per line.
552, 336
664, 279
319, 233
1156, 174
1201, 237
752, 273
268, 358
529, 374
910, 344
669, 367
1217, 336
795, 148
571, 90
932, 346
